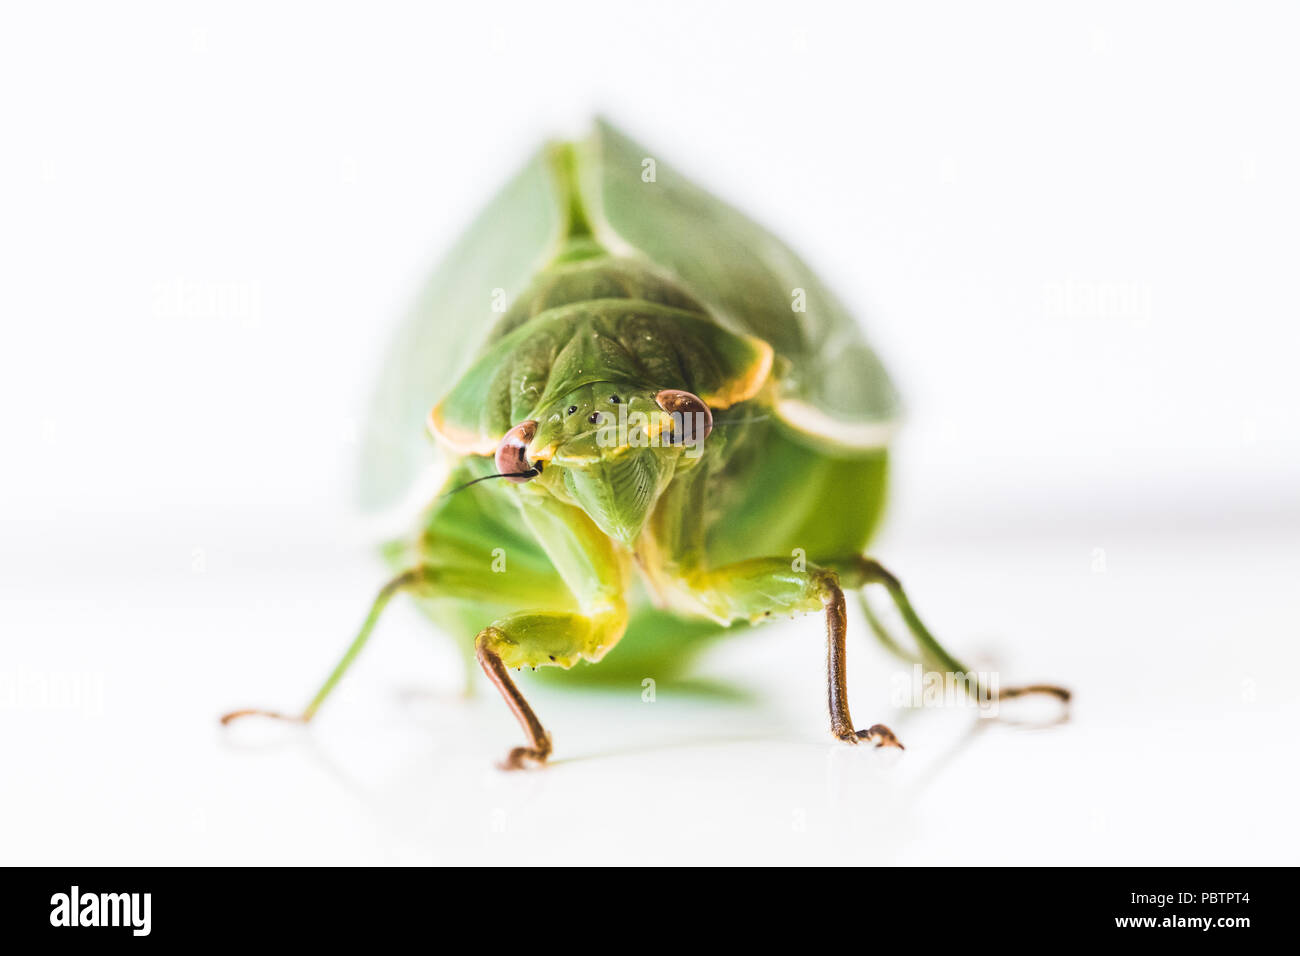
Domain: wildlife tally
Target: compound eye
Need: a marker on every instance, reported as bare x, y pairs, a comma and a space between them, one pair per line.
512, 459
692, 420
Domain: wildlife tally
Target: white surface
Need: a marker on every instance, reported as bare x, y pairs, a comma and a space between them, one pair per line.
1071, 233
1179, 749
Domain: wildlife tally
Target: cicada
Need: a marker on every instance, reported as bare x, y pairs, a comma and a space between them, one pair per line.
685, 433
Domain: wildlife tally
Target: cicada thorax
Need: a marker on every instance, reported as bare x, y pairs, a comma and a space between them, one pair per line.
602, 276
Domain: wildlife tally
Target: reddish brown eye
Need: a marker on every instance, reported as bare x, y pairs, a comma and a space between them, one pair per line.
512, 458
692, 417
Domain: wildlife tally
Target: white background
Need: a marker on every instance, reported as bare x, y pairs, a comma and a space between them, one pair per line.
1071, 232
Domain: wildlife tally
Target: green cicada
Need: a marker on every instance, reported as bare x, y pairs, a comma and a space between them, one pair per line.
690, 432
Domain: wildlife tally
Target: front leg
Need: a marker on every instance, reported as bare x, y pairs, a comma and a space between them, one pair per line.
837, 673
755, 590
540, 639
592, 572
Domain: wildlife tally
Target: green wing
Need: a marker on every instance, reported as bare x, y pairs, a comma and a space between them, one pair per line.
833, 389
452, 317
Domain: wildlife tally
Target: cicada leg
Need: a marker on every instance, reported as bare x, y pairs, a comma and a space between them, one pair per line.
540, 639
864, 571
583, 587
837, 672
755, 590
499, 674
882, 633
404, 581
528, 639
426, 580
592, 575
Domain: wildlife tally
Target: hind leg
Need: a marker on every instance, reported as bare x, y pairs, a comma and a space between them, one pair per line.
472, 560
863, 571
425, 581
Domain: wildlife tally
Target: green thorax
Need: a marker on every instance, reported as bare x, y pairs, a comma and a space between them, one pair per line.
584, 272
591, 321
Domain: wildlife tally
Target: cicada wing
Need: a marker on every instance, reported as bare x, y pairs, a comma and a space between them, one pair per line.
833, 388
450, 320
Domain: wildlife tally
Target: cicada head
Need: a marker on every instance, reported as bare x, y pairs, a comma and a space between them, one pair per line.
611, 449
